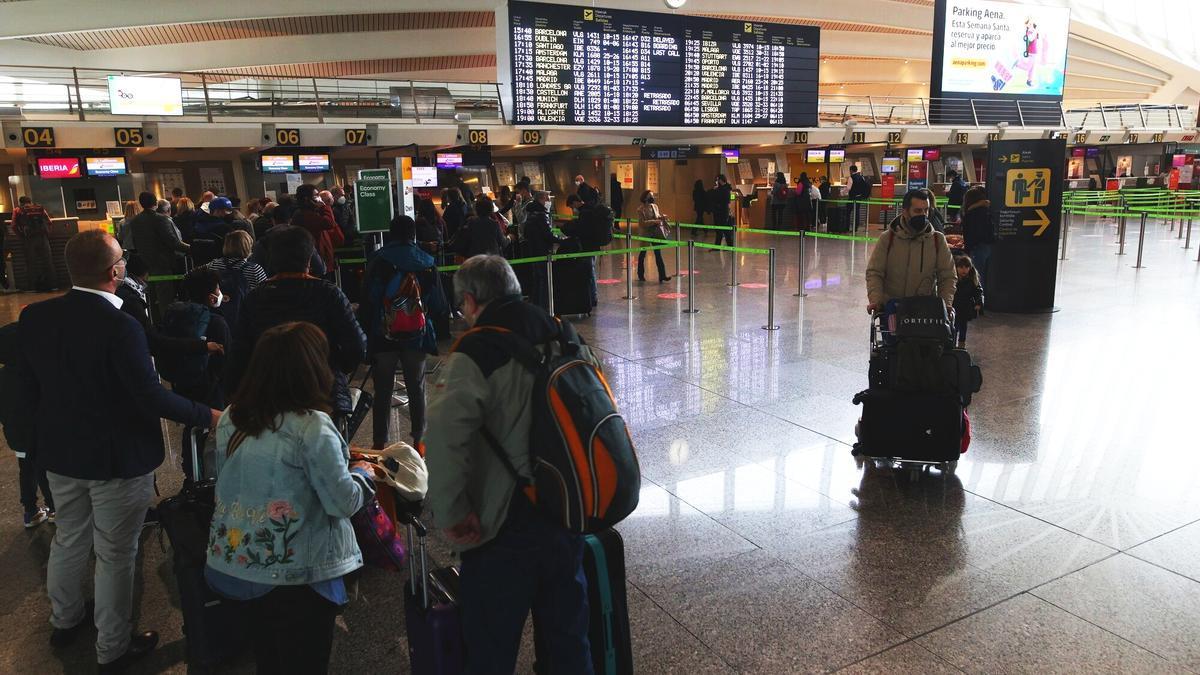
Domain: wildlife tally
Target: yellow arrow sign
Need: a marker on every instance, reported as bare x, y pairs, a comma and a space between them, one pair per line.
1041, 223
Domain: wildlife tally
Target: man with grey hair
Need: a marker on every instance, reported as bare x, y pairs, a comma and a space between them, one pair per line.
483, 394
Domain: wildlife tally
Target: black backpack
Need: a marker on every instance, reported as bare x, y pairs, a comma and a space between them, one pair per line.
600, 230
33, 220
185, 320
234, 286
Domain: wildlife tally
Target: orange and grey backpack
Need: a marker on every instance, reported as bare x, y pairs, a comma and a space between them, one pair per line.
585, 469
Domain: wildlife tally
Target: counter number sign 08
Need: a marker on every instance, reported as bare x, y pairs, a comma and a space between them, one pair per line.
356, 136
38, 137
129, 137
289, 137
477, 137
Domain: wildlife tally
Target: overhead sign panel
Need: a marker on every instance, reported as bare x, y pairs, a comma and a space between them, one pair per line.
145, 95
589, 66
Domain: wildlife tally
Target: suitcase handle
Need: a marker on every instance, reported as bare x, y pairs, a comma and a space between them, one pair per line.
198, 437
414, 523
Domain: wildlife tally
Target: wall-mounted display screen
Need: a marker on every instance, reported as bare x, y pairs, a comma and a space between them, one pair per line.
731, 155
58, 167
1093, 153
314, 163
105, 166
933, 154
837, 156
816, 156
890, 165
611, 67
424, 176
278, 163
449, 160
985, 49
145, 95
915, 154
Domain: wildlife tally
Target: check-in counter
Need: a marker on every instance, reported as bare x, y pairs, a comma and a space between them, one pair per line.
61, 229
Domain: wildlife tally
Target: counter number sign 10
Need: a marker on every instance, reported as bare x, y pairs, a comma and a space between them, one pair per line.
38, 137
477, 137
800, 137
129, 137
287, 137
356, 136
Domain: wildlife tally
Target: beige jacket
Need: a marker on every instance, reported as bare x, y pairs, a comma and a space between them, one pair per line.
650, 220
904, 264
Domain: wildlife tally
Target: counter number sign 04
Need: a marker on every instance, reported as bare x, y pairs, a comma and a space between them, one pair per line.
532, 137
477, 137
129, 137
287, 137
356, 136
38, 137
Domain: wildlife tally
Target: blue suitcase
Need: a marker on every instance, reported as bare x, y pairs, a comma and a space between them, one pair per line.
433, 618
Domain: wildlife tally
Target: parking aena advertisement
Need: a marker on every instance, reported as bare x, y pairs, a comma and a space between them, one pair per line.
1004, 48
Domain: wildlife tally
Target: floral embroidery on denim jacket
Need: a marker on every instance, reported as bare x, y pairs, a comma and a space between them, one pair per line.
267, 546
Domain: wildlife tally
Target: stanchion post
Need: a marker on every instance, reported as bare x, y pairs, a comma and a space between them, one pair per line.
1121, 232
1179, 235
733, 265
550, 283
337, 275
677, 248
691, 291
629, 266
1187, 241
1141, 241
801, 274
1066, 224
771, 290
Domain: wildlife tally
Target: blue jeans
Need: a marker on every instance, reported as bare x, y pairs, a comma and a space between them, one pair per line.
532, 564
980, 255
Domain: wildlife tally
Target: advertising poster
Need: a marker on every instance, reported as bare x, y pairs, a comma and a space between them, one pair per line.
625, 175
652, 177
1185, 174
504, 174
145, 95
1025, 187
294, 181
534, 171
746, 172
1075, 167
1124, 166
406, 188
1178, 160
918, 175
1004, 48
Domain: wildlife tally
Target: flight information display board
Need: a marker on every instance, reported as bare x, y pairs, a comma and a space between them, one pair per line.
589, 66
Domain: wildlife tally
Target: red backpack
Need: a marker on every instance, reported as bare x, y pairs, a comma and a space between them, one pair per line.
403, 311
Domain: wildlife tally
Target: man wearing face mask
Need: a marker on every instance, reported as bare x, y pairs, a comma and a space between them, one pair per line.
911, 258
343, 213
539, 241
533, 563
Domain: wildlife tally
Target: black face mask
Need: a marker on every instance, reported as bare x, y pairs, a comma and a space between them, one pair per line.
649, 200
917, 223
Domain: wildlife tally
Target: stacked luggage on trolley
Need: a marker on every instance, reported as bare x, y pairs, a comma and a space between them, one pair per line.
920, 384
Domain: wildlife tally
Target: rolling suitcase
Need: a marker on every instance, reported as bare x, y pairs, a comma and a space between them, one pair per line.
910, 427
837, 221
608, 629
432, 616
572, 287
215, 627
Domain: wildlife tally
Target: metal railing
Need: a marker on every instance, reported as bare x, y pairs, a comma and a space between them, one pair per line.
50, 93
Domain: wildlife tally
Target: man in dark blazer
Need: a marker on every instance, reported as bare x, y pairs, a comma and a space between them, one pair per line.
85, 369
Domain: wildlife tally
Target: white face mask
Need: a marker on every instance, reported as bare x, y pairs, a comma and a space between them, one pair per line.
341, 200
220, 297
578, 183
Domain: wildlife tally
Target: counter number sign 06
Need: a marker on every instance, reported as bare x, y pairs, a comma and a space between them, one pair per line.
38, 137
477, 137
129, 137
356, 136
287, 137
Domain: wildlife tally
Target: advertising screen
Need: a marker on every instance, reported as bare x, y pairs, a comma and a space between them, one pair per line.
731, 155
314, 163
915, 154
573, 64
278, 163
449, 160
999, 48
933, 154
145, 95
837, 156
58, 167
424, 176
890, 165
816, 156
1093, 153
105, 166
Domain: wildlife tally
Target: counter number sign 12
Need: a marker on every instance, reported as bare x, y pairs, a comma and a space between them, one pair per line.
894, 137
356, 136
287, 137
129, 137
38, 137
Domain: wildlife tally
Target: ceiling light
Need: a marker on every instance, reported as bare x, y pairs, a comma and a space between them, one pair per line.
675, 4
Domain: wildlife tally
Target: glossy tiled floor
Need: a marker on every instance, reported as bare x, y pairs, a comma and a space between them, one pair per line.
1067, 541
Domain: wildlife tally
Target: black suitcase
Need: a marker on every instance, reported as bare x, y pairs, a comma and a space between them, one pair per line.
958, 374
909, 426
837, 221
608, 629
215, 627
572, 287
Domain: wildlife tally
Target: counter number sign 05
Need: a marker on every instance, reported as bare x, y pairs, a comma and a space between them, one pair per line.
38, 137
129, 137
477, 137
356, 136
287, 137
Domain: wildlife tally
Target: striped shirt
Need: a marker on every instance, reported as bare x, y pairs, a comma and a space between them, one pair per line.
253, 273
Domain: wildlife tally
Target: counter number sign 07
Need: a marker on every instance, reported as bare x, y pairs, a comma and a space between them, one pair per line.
38, 137
129, 137
477, 137
356, 136
287, 137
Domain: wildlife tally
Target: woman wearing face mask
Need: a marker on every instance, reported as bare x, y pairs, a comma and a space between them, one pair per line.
654, 224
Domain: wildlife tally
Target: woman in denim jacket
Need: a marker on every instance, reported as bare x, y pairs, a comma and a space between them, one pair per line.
281, 537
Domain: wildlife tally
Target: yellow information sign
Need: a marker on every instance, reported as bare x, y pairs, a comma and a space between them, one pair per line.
1027, 188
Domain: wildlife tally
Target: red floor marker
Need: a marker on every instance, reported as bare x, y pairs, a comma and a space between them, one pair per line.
608, 282
684, 273
754, 285
672, 296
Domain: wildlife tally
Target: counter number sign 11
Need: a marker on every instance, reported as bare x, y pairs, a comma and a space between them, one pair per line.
356, 136
287, 137
858, 137
129, 137
38, 137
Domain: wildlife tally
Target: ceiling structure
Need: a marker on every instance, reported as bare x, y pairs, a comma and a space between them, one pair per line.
869, 47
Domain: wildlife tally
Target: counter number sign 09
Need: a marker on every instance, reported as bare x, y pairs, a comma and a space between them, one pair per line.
129, 137
531, 137
356, 136
288, 137
38, 137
